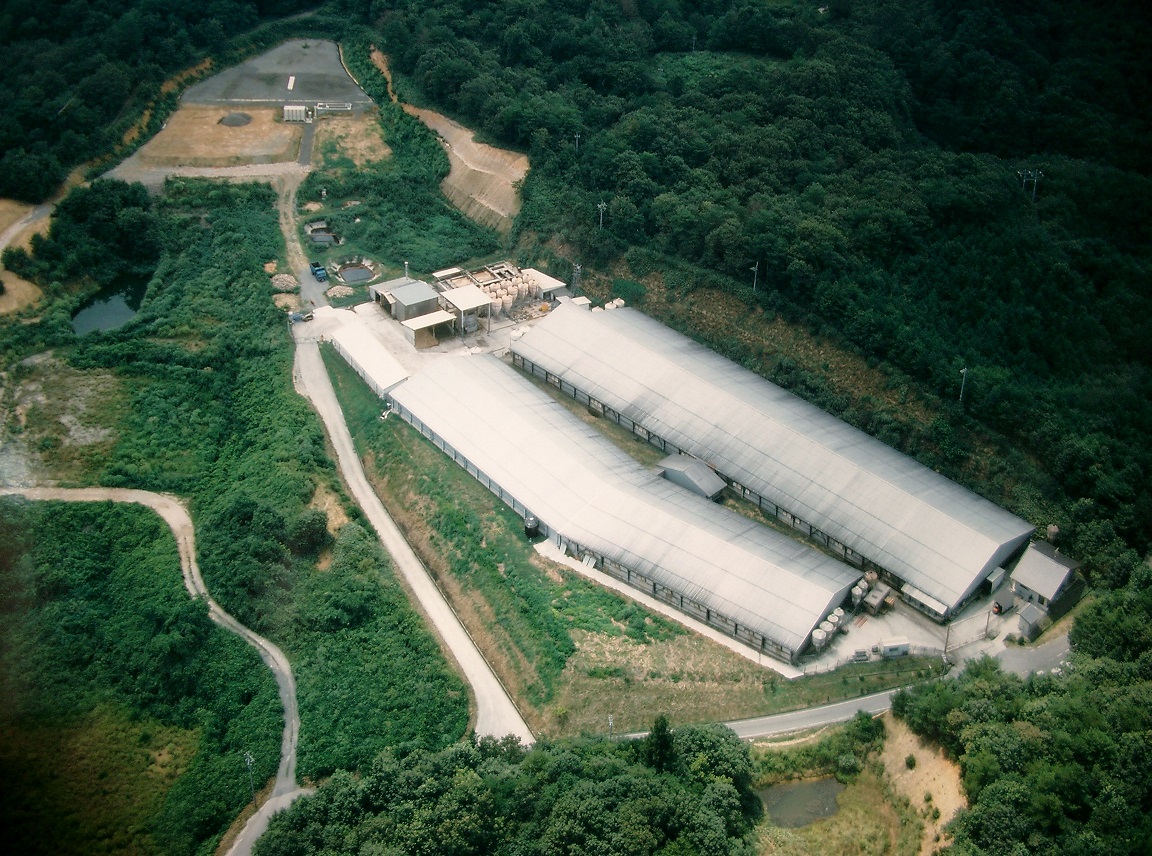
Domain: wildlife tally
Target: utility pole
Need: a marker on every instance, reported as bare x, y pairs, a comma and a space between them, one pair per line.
755, 275
249, 760
1030, 175
609, 727
577, 142
963, 378
575, 277
602, 206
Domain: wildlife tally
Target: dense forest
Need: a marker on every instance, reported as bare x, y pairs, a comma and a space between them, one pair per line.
676, 792
934, 188
77, 75
1055, 765
104, 657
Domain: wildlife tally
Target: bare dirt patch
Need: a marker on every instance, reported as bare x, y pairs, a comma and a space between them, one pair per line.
356, 138
288, 302
483, 179
11, 211
18, 293
327, 501
194, 136
56, 421
933, 774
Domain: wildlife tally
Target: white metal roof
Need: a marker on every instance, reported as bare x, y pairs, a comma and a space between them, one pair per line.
414, 292
467, 297
1044, 570
582, 486
547, 283
930, 531
430, 320
363, 349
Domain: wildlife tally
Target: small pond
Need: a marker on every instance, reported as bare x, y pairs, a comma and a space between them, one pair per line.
796, 804
111, 307
356, 273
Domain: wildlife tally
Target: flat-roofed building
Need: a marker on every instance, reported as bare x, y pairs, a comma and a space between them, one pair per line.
759, 586
935, 540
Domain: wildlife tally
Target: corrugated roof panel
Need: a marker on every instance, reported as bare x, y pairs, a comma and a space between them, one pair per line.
582, 486
907, 518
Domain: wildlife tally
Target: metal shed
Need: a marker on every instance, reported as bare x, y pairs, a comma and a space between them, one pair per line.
692, 474
757, 585
832, 482
363, 350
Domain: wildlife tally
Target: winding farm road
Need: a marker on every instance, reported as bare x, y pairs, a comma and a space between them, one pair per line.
174, 513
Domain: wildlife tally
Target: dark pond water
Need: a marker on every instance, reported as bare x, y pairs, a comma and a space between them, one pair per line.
795, 804
355, 273
110, 307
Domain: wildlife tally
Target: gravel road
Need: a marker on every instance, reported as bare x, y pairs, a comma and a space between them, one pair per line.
496, 715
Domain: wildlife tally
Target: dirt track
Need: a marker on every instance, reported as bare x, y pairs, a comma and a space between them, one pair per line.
174, 513
483, 178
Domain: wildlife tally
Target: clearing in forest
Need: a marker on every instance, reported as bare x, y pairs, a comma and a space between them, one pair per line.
934, 773
196, 136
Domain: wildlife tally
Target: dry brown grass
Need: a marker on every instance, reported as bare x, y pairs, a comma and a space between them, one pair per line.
867, 823
357, 138
194, 136
689, 678
933, 774
287, 302
61, 417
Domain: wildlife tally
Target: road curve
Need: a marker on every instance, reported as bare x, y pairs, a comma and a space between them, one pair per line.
174, 513
496, 715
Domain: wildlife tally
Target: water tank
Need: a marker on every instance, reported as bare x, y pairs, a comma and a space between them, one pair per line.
834, 620
857, 595
819, 638
507, 304
827, 627
839, 613
531, 525
521, 290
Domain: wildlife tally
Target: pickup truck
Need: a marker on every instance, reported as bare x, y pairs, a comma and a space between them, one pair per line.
318, 271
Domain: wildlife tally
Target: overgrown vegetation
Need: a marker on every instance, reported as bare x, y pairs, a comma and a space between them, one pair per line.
149, 706
686, 791
841, 754
1054, 764
208, 412
401, 216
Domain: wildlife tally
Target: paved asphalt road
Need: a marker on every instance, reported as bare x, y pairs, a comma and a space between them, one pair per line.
312, 66
1020, 661
496, 715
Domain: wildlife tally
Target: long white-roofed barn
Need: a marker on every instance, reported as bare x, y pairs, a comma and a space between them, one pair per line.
760, 586
869, 503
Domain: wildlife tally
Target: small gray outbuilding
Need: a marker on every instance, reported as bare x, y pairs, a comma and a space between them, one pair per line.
692, 474
413, 300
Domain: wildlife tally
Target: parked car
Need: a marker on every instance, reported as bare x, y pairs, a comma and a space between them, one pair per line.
318, 271
297, 317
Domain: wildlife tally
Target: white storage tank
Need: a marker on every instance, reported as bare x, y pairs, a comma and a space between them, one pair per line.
507, 304
834, 620
857, 595
819, 638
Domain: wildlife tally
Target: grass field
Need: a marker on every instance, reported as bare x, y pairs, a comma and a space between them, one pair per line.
93, 783
870, 821
570, 652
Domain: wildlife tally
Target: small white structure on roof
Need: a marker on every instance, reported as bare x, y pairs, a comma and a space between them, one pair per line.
1042, 575
763, 588
870, 504
692, 474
